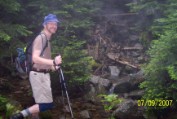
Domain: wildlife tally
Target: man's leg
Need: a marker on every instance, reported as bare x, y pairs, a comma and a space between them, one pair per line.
41, 88
26, 112
35, 109
35, 116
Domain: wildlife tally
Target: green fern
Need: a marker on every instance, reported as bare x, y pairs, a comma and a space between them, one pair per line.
109, 101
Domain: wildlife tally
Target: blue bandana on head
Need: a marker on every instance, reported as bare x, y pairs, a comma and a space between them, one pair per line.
50, 18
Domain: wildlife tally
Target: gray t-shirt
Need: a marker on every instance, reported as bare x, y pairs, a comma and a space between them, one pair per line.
38, 44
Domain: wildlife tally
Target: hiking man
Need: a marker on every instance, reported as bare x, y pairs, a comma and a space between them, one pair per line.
39, 76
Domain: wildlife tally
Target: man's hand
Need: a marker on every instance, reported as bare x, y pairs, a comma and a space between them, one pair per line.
58, 60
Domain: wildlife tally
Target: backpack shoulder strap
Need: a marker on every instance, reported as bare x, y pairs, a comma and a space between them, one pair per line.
46, 43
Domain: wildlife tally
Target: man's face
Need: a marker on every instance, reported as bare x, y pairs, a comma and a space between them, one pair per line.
51, 27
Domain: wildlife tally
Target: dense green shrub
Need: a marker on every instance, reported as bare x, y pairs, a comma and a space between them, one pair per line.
160, 71
6, 107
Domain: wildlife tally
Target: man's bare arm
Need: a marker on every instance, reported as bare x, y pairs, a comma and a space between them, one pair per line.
39, 60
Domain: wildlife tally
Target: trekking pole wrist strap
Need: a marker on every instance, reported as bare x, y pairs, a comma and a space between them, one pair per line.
54, 63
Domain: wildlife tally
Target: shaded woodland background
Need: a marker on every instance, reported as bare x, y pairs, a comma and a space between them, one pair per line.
95, 34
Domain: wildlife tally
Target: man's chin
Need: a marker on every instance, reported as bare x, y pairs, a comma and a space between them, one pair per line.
52, 32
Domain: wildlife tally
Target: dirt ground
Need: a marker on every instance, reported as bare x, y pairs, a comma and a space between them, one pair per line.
19, 91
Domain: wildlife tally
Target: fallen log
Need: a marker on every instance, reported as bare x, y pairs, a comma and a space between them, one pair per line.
132, 48
116, 58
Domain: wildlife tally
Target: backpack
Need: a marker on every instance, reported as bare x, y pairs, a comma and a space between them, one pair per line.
23, 61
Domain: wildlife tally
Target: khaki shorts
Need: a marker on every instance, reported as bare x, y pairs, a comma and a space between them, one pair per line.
41, 87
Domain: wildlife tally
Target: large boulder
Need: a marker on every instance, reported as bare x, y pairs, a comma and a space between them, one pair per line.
136, 94
97, 86
100, 83
128, 83
114, 72
128, 109
123, 87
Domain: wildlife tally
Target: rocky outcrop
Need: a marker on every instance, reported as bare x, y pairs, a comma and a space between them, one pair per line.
126, 88
117, 47
128, 110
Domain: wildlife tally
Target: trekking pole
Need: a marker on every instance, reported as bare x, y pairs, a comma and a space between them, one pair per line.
63, 84
62, 92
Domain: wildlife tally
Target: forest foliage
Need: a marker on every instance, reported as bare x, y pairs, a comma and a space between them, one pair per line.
21, 21
161, 69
